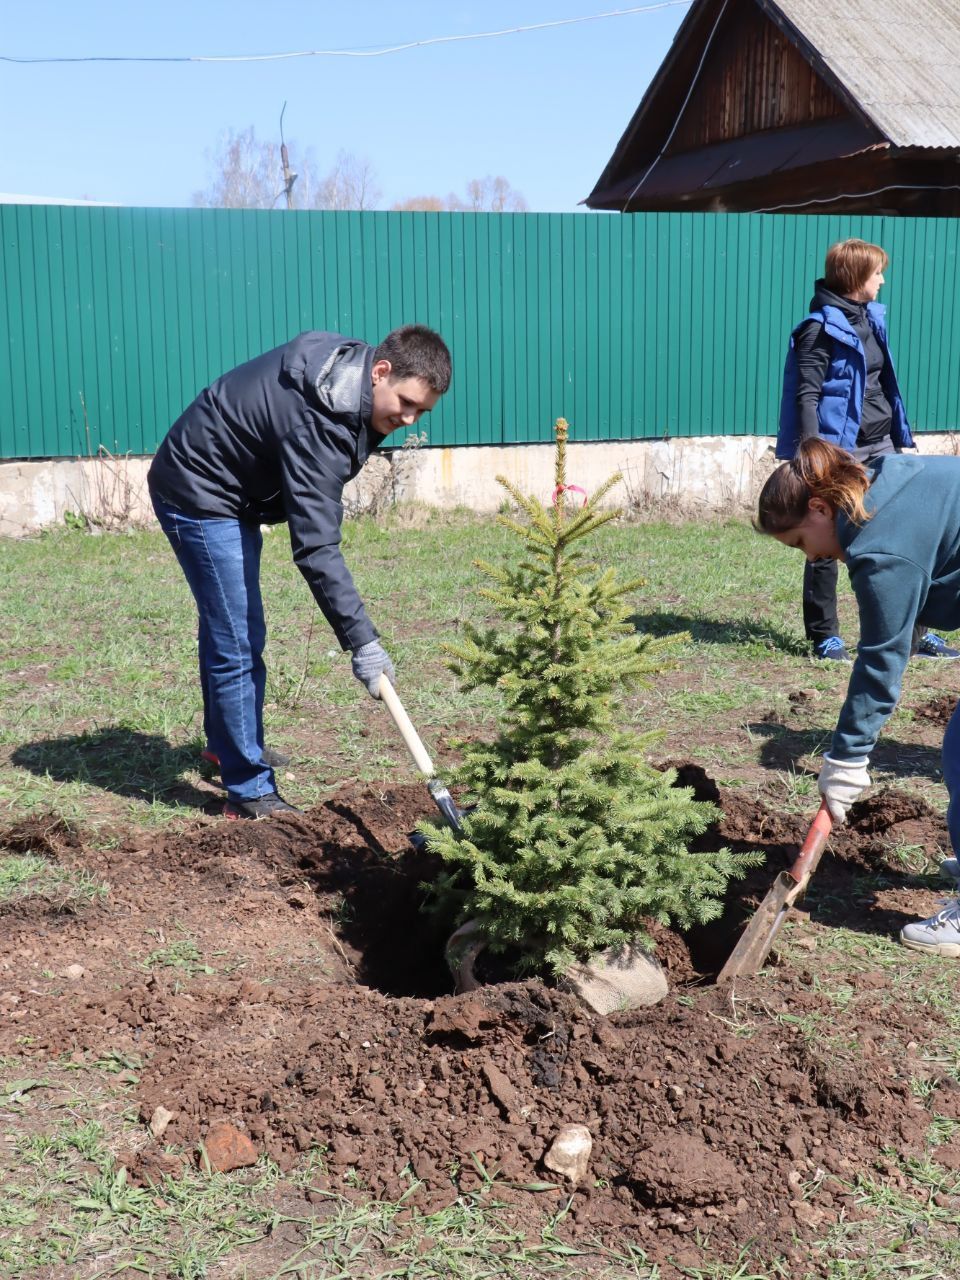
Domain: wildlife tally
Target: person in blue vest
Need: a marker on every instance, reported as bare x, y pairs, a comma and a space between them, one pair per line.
896, 527
275, 440
839, 383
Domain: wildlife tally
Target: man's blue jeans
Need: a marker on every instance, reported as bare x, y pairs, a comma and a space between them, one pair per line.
221, 562
951, 777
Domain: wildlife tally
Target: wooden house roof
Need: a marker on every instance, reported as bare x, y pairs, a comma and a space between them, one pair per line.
755, 87
899, 60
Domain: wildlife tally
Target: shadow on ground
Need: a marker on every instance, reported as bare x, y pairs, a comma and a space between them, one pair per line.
783, 748
141, 766
721, 631
831, 903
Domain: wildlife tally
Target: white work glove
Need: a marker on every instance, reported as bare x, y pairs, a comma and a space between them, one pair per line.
369, 663
841, 782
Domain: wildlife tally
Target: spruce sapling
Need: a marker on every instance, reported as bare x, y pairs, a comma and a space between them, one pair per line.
575, 838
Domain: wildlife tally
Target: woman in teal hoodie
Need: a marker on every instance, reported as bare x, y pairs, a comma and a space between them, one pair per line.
897, 529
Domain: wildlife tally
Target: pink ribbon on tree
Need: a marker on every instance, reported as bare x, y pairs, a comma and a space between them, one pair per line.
568, 488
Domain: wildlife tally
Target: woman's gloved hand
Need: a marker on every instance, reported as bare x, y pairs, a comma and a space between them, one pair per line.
369, 663
841, 782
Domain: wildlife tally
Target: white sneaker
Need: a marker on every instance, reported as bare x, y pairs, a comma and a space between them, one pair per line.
939, 936
950, 869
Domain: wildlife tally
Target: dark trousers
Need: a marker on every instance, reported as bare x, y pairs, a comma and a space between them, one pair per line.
820, 618
951, 778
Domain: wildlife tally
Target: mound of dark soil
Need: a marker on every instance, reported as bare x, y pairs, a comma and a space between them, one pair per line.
939, 709
316, 1015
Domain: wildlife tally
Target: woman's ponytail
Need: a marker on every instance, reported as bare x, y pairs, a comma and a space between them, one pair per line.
817, 470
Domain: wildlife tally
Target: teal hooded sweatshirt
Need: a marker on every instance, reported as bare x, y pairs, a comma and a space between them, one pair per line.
904, 566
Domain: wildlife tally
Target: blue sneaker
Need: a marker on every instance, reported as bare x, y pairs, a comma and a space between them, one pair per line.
831, 650
932, 646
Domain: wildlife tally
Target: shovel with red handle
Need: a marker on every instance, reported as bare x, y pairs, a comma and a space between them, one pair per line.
754, 946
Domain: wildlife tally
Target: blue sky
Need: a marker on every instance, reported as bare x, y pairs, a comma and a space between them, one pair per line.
543, 108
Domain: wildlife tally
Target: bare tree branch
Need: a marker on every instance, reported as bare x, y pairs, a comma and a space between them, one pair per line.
350, 184
484, 195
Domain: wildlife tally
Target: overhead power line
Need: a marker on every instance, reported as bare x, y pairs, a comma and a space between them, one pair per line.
358, 53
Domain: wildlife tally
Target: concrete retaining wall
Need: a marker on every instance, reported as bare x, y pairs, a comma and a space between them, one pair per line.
690, 476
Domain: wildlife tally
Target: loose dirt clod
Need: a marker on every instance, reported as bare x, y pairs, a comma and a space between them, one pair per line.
226, 1148
680, 1169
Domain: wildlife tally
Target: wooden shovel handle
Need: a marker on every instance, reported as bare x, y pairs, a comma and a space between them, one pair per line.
813, 846
388, 696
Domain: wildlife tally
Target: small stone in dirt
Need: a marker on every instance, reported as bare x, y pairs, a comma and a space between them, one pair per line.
618, 979
159, 1121
569, 1153
74, 972
227, 1148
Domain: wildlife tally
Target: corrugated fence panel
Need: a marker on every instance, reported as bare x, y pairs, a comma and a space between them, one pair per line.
632, 327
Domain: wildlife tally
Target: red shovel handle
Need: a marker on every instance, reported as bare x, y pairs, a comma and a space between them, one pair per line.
817, 837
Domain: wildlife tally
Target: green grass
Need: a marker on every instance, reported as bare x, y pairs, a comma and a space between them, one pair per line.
23, 875
102, 717
178, 953
70, 1186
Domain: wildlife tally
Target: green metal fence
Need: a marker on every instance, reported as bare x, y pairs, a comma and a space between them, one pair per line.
632, 327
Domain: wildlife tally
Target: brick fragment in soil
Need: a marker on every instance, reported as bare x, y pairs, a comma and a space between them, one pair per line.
338, 1033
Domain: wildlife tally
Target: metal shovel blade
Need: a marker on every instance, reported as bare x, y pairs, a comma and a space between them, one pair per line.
756, 941
445, 803
441, 796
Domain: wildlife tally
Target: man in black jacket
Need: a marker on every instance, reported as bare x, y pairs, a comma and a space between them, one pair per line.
276, 440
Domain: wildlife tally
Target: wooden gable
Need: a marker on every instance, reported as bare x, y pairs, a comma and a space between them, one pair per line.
753, 79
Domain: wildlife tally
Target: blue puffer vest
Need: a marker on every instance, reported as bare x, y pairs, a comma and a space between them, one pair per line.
841, 397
